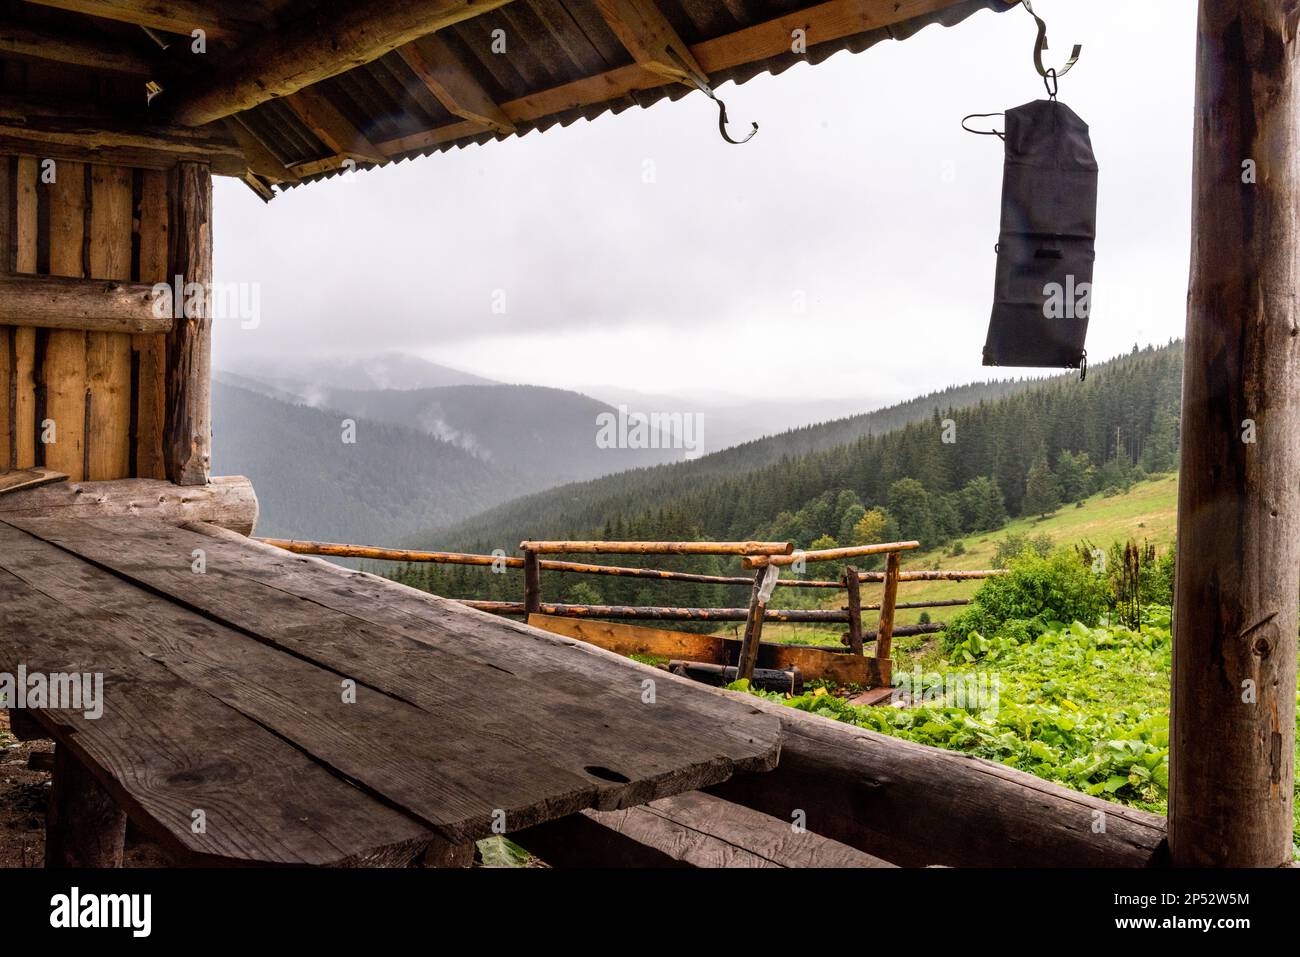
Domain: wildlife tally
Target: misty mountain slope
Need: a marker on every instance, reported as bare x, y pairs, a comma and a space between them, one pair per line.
1002, 428
547, 434
310, 484
390, 370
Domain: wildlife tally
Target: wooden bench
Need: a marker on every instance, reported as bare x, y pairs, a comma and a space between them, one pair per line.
687, 830
262, 707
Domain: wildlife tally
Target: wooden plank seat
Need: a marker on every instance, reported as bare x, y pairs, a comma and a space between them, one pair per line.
686, 830
319, 715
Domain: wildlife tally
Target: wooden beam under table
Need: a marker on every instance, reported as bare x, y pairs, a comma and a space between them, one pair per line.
84, 826
1232, 727
310, 49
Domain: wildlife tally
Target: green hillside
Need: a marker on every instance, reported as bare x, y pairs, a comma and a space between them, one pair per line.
1146, 512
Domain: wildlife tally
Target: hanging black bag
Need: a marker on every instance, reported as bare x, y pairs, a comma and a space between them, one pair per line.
1043, 289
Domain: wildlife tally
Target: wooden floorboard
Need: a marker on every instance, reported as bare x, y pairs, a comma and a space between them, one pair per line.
166, 749
457, 720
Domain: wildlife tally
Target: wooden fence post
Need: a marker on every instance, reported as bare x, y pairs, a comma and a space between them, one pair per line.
885, 630
754, 624
532, 582
854, 608
1232, 723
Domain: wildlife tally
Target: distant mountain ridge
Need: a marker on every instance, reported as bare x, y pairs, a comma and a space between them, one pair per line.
794, 467
390, 370
311, 484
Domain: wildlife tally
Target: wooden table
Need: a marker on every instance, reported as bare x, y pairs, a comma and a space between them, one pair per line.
262, 707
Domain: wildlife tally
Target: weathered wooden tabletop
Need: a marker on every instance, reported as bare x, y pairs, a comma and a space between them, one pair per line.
227, 666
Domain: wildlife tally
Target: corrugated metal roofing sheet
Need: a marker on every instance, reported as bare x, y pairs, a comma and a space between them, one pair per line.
550, 43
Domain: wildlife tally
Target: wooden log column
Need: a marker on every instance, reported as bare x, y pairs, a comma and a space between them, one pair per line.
84, 827
187, 438
1235, 620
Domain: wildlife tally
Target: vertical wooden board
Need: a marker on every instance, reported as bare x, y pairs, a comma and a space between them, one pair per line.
151, 350
64, 370
7, 199
23, 349
108, 354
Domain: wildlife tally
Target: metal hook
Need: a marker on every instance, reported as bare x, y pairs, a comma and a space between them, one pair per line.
722, 123
701, 83
1040, 45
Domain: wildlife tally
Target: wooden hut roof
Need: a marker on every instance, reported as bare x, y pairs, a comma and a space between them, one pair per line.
288, 91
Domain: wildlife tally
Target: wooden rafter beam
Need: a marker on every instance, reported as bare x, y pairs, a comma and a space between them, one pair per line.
23, 41
438, 68
310, 49
331, 127
651, 39
822, 23
63, 132
261, 160
219, 19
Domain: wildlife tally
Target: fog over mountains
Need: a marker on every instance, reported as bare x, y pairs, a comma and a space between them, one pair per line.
435, 446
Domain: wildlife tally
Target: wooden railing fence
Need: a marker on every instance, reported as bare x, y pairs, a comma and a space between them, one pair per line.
766, 559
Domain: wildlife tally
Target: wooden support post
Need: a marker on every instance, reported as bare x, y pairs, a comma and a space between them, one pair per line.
532, 582
187, 441
24, 727
854, 608
885, 630
753, 627
441, 853
84, 827
1232, 739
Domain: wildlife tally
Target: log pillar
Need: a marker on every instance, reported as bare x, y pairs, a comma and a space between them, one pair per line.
187, 437
84, 827
1235, 617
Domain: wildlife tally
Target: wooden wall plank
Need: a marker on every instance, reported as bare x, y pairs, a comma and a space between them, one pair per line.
23, 355
7, 199
108, 354
151, 350
64, 370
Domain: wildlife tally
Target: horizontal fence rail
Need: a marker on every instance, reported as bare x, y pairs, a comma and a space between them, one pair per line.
764, 558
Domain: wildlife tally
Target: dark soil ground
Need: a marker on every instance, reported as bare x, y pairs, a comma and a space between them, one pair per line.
24, 795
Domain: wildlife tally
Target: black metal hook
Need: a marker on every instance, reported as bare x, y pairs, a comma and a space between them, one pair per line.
1040, 44
701, 83
722, 124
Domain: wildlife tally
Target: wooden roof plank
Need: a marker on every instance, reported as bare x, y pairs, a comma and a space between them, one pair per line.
822, 23
438, 68
310, 49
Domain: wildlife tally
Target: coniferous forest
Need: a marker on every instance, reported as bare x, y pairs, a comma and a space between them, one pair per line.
960, 470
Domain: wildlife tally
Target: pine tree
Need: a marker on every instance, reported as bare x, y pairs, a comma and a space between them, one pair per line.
1042, 497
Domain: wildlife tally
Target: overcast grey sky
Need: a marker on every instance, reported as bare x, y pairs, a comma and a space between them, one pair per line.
860, 195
